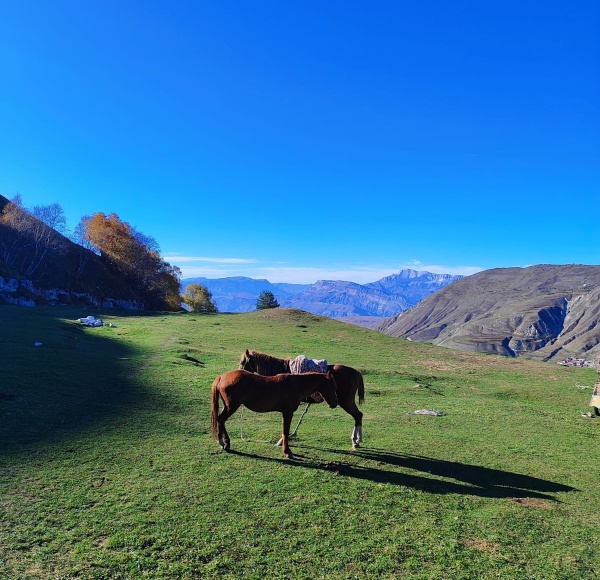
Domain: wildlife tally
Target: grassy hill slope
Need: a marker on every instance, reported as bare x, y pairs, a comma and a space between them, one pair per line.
108, 470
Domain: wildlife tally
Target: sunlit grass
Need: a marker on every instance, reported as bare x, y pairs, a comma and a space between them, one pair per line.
108, 469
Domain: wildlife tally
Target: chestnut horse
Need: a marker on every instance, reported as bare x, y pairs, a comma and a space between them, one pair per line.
283, 393
348, 382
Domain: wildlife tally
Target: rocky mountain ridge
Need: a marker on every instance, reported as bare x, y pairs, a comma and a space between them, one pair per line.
543, 312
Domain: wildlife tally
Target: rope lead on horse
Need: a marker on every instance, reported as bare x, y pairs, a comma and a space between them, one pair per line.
293, 433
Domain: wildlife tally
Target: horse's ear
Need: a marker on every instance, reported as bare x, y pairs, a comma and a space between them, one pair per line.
247, 352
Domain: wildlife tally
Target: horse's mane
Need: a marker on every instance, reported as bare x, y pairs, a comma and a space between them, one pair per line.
265, 364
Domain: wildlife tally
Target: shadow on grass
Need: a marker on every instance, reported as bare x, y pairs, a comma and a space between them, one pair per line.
438, 476
75, 379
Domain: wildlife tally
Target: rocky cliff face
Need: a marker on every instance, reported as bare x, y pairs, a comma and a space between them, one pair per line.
542, 312
24, 293
341, 299
413, 285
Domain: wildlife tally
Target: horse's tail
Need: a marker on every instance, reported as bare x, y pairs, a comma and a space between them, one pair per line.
214, 408
361, 389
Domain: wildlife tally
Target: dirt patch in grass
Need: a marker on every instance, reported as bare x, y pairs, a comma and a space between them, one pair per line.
443, 365
531, 502
480, 545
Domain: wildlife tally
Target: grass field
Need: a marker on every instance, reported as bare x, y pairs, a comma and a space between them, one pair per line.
108, 469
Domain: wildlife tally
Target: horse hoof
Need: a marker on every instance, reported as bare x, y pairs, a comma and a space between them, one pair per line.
355, 445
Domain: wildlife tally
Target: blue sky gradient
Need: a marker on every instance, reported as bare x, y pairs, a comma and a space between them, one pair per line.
298, 141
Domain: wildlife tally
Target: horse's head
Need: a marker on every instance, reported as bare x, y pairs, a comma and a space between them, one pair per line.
246, 362
329, 390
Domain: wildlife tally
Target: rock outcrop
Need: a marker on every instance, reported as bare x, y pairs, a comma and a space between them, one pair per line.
24, 293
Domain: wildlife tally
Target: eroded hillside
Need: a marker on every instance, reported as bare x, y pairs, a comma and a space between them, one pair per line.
543, 312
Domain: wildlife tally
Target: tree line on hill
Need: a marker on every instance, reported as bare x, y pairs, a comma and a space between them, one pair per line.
104, 255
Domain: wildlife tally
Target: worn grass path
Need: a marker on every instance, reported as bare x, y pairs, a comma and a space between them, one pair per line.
108, 470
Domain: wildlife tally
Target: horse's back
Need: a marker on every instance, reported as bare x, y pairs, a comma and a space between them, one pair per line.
232, 382
349, 380
243, 379
345, 372
232, 377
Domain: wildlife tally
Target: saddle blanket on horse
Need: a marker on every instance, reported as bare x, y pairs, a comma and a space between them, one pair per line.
302, 364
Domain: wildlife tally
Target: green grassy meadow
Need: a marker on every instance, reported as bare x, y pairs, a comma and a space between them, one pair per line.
108, 468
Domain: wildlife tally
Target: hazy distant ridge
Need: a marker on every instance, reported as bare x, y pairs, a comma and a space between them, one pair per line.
332, 298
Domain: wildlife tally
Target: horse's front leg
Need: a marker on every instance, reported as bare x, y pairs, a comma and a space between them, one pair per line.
287, 421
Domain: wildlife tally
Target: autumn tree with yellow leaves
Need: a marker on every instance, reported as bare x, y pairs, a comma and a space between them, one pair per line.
137, 258
199, 299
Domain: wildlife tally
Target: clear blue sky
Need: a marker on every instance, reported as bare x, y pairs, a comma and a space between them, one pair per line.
298, 141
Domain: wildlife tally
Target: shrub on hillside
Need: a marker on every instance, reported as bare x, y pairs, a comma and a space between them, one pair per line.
199, 299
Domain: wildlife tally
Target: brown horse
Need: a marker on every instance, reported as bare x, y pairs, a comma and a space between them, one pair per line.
283, 393
348, 382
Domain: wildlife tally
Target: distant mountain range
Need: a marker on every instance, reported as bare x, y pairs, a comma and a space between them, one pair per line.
544, 312
335, 299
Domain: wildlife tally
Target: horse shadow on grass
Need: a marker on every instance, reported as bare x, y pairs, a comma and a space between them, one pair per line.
426, 474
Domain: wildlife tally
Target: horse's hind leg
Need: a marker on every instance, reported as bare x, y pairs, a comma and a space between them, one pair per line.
224, 440
356, 436
351, 408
